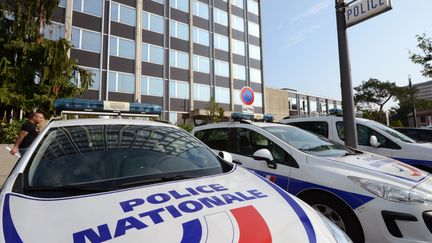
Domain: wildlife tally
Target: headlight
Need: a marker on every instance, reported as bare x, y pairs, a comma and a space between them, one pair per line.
391, 192
339, 235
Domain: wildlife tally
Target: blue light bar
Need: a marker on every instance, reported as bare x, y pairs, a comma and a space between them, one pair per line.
78, 104
335, 111
268, 118
241, 116
74, 104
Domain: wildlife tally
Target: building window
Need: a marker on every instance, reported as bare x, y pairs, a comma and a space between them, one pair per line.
253, 7
200, 9
220, 16
159, 1
201, 92
221, 68
239, 72
123, 14
152, 22
53, 31
173, 117
96, 78
238, 47
254, 52
238, 3
253, 29
152, 86
86, 40
179, 59
93, 7
201, 64
62, 3
221, 42
182, 5
237, 99
122, 47
153, 54
222, 95
201, 36
237, 23
255, 75
121, 82
258, 99
179, 90
179, 30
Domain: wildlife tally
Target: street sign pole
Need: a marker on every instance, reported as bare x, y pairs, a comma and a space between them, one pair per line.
350, 132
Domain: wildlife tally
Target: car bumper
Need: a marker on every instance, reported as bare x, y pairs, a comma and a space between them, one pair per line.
385, 221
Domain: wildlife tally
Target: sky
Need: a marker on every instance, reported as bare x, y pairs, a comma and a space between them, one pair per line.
301, 50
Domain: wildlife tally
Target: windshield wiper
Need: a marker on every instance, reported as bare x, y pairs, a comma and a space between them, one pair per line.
67, 188
156, 180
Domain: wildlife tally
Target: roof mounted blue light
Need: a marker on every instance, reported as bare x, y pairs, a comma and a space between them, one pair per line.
238, 116
74, 104
268, 118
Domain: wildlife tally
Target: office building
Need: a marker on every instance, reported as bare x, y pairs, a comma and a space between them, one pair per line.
424, 90
174, 53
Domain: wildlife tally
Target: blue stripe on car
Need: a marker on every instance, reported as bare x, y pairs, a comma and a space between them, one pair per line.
427, 163
295, 186
9, 231
192, 231
307, 224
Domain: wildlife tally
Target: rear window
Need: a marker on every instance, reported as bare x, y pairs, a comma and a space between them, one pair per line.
318, 127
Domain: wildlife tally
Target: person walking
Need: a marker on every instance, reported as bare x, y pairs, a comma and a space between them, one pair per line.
27, 133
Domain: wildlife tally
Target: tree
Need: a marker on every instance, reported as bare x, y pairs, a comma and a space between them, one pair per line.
375, 92
214, 111
423, 58
34, 71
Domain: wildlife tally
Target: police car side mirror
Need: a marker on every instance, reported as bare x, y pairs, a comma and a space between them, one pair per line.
264, 154
226, 156
374, 141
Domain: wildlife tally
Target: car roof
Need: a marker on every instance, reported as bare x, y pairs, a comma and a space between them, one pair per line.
230, 124
321, 118
102, 121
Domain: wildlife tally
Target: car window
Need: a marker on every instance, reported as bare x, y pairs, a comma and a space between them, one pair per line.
217, 138
80, 155
392, 132
247, 142
363, 136
318, 127
308, 142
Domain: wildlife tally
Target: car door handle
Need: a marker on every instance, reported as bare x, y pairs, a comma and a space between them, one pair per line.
237, 162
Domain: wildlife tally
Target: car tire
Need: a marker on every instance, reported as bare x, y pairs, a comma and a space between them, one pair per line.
337, 211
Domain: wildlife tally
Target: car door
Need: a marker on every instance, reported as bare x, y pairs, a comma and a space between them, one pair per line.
247, 141
386, 147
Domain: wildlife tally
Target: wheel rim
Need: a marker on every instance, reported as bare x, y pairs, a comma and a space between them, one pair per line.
331, 214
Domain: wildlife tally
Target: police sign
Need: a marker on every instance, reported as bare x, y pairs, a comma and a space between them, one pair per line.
364, 10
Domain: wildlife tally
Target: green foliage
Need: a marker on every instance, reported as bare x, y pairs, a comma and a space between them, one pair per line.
214, 111
376, 93
378, 116
9, 132
423, 58
396, 123
34, 71
186, 127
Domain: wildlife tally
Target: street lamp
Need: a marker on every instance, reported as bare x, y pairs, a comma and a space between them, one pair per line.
412, 101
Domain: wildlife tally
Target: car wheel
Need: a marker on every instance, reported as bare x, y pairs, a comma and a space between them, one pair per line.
338, 212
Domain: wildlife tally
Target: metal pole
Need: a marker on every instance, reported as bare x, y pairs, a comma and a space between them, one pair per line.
412, 101
350, 131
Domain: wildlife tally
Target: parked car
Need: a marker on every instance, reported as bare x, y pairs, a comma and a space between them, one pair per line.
98, 180
418, 134
371, 197
372, 136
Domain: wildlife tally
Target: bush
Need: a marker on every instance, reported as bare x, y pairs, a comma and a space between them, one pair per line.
9, 132
186, 127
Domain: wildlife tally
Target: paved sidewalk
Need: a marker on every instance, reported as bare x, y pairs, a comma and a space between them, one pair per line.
7, 162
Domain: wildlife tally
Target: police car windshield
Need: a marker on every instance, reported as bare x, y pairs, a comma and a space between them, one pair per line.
308, 142
393, 132
100, 154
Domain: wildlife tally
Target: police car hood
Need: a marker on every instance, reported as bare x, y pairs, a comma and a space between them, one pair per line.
235, 207
385, 167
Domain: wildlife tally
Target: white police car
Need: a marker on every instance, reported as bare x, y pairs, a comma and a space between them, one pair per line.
372, 136
371, 197
113, 180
